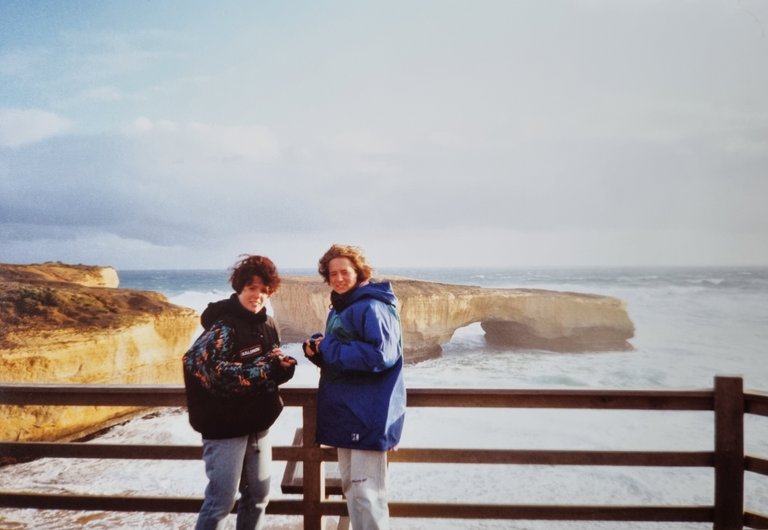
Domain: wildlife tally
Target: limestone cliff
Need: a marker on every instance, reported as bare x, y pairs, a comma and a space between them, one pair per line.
431, 312
69, 324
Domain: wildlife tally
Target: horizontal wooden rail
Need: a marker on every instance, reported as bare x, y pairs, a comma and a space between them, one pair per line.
755, 520
173, 396
26, 450
560, 458
106, 395
756, 465
124, 503
564, 399
552, 513
756, 403
397, 509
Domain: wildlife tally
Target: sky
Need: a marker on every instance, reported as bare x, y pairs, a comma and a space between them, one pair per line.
431, 133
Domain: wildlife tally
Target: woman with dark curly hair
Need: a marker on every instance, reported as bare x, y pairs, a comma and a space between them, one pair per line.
361, 395
231, 376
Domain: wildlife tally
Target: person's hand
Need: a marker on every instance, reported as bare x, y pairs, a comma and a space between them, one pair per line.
312, 349
312, 344
282, 367
286, 361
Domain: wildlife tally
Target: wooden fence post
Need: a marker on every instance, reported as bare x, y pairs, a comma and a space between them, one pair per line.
729, 453
313, 470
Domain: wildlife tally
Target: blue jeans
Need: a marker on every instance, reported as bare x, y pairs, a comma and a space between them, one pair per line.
234, 464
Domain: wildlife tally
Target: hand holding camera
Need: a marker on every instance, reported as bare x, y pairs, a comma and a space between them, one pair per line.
311, 348
311, 345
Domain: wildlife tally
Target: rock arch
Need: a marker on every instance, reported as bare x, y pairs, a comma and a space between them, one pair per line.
431, 312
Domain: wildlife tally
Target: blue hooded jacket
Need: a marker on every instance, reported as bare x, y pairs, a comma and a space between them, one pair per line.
361, 395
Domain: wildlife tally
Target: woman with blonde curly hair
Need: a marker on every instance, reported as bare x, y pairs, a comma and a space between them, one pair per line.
361, 394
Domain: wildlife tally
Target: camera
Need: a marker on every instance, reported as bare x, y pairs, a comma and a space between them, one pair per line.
312, 342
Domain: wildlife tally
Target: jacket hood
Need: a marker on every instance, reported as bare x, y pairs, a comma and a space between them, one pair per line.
213, 312
381, 291
231, 306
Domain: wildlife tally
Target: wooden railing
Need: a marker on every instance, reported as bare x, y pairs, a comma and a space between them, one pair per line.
727, 400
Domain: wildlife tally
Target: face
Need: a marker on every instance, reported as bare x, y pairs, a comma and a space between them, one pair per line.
254, 295
341, 275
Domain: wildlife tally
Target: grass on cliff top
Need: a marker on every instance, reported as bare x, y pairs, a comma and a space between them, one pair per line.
46, 306
52, 271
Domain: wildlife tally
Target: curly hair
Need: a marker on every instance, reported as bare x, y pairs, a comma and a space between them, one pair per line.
353, 254
249, 266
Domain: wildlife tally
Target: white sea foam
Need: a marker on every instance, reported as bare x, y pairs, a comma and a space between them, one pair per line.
197, 300
686, 333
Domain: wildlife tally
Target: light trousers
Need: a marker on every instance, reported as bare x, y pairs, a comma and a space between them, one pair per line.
232, 465
364, 483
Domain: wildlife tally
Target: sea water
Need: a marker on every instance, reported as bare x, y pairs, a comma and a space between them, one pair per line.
691, 325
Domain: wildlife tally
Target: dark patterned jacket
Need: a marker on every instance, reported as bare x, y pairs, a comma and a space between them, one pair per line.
230, 375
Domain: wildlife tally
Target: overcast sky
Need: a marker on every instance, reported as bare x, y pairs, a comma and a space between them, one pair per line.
180, 134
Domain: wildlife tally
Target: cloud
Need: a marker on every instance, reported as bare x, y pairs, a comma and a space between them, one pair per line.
143, 125
105, 54
20, 62
161, 182
23, 126
94, 247
103, 94
248, 142
227, 189
517, 129
360, 143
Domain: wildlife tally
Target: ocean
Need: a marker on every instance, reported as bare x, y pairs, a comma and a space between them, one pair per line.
691, 325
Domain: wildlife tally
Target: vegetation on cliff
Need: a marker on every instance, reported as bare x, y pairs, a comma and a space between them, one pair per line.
39, 298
